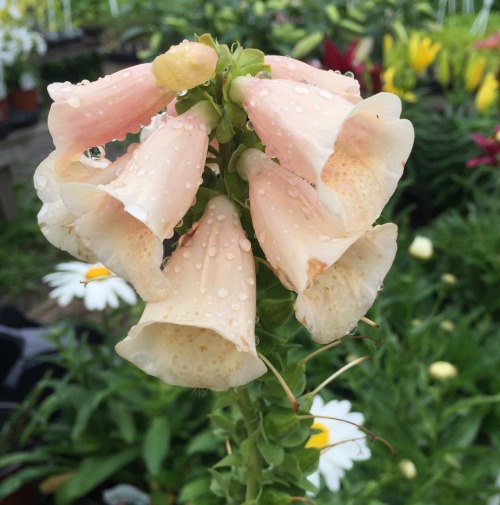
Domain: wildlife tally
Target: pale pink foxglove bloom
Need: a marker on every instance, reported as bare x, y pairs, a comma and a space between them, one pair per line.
93, 113
337, 277
354, 154
337, 299
54, 219
203, 333
284, 67
143, 204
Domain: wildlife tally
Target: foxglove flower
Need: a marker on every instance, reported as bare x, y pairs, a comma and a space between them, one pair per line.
354, 154
203, 333
337, 277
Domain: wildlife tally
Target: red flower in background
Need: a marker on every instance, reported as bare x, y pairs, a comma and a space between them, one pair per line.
490, 147
333, 59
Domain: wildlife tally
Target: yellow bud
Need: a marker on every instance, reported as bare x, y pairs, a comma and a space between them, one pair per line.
421, 248
487, 94
474, 71
408, 469
442, 370
185, 66
449, 279
447, 325
443, 74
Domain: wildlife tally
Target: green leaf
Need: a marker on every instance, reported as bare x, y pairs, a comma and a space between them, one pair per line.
124, 420
194, 490
92, 472
13, 482
156, 444
308, 459
274, 497
304, 46
274, 454
274, 313
278, 424
298, 436
218, 485
222, 422
203, 443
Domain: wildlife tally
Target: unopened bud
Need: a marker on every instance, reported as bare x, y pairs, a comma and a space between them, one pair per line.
421, 248
442, 370
408, 469
449, 279
447, 325
185, 66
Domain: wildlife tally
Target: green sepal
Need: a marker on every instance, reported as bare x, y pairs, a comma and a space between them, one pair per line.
206, 39
250, 62
231, 167
224, 131
236, 187
224, 60
230, 460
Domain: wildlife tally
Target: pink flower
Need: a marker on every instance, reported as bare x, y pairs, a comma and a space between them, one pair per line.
203, 333
490, 147
354, 154
336, 276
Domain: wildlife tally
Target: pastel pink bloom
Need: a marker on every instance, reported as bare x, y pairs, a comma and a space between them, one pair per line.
342, 294
354, 154
54, 218
299, 237
336, 276
284, 67
125, 221
93, 113
202, 334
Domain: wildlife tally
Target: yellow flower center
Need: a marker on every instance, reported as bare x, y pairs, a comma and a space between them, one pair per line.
320, 439
94, 272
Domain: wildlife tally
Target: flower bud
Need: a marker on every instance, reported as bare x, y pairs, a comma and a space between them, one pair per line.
408, 469
185, 66
448, 278
442, 370
421, 248
447, 325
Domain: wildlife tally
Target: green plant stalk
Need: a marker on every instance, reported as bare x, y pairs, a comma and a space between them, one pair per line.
254, 463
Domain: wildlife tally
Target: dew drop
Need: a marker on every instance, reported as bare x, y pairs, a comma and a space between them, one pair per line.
186, 254
323, 93
187, 184
74, 101
263, 91
222, 292
212, 251
243, 296
245, 245
324, 238
301, 90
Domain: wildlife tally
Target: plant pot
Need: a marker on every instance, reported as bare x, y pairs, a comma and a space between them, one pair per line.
23, 107
24, 100
4, 117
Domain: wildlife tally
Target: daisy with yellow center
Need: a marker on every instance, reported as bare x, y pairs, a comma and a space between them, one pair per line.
341, 442
96, 285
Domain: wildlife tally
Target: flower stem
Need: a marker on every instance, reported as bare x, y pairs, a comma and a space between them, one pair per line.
250, 416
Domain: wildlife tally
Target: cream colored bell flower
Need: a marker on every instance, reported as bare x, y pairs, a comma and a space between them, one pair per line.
202, 334
341, 443
337, 277
125, 221
97, 286
354, 154
342, 294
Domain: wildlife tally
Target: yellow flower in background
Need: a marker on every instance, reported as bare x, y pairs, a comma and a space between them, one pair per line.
388, 79
474, 71
487, 94
421, 52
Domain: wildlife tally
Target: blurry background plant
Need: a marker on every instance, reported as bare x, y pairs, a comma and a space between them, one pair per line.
443, 309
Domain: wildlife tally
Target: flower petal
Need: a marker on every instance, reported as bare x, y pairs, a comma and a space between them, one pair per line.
339, 296
92, 114
368, 160
299, 237
202, 333
284, 67
298, 123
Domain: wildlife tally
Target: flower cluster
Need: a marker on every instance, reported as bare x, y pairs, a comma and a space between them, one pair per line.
17, 44
298, 160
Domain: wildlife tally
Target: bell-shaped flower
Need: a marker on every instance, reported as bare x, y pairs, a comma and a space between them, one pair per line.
354, 154
337, 277
143, 204
202, 334
284, 67
55, 220
93, 113
299, 237
342, 294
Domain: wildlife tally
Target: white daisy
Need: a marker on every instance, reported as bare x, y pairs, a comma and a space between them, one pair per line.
340, 442
72, 280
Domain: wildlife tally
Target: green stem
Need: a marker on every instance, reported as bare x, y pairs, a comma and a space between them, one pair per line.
254, 463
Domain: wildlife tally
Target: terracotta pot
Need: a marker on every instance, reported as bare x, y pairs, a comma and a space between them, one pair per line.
24, 100
4, 117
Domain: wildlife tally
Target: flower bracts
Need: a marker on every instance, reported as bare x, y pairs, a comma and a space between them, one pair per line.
315, 163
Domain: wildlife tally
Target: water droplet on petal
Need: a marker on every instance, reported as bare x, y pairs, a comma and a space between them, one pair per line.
222, 292
263, 91
74, 101
245, 245
243, 296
